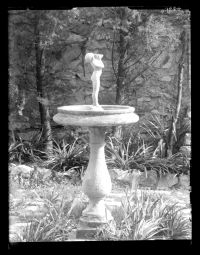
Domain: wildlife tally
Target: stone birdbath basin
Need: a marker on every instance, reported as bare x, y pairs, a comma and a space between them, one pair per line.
97, 182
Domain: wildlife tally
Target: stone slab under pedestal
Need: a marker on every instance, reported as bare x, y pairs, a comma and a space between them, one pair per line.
73, 237
87, 231
88, 225
84, 232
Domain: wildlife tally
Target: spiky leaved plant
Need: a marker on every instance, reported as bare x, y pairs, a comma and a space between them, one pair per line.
53, 227
125, 156
67, 156
157, 131
147, 217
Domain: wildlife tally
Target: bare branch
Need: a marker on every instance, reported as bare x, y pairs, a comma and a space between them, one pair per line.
139, 74
128, 58
134, 62
147, 67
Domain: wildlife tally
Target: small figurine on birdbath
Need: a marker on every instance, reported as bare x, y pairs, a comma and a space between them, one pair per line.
97, 64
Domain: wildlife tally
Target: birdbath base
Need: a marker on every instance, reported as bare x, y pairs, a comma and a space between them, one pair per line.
88, 230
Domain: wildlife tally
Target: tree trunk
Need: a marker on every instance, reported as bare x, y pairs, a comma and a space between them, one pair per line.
172, 131
38, 58
121, 74
120, 88
47, 131
43, 106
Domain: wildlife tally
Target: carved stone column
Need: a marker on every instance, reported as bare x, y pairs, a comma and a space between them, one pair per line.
96, 185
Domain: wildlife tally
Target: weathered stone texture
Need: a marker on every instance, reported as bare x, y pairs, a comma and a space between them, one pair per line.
153, 92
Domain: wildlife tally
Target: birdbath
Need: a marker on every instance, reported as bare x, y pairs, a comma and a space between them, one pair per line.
96, 182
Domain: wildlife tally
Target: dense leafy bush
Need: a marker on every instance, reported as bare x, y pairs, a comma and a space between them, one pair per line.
23, 151
157, 129
27, 151
126, 156
67, 156
60, 217
147, 217
146, 149
53, 227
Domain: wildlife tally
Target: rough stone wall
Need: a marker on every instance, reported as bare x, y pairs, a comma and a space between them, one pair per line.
155, 94
158, 93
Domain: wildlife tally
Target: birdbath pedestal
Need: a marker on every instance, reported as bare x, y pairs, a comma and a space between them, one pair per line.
96, 182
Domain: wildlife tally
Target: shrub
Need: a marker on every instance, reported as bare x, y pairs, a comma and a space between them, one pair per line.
53, 227
15, 151
27, 151
22, 151
157, 130
147, 217
55, 224
182, 130
128, 156
67, 156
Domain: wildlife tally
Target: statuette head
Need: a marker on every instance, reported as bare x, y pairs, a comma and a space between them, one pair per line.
94, 60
